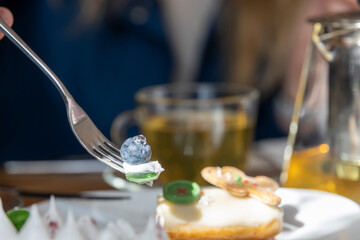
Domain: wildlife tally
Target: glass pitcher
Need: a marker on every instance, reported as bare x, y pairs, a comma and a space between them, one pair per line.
325, 155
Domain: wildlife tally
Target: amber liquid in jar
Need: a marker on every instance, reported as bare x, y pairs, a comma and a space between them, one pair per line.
312, 168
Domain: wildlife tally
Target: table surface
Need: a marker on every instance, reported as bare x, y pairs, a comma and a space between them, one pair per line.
53, 183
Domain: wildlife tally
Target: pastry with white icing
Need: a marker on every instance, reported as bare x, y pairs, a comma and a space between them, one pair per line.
238, 208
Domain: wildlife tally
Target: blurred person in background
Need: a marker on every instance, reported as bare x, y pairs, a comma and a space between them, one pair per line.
265, 44
105, 50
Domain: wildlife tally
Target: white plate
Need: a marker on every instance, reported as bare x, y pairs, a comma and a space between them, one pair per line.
316, 215
308, 214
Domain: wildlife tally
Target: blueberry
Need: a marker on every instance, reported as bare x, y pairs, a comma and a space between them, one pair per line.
135, 150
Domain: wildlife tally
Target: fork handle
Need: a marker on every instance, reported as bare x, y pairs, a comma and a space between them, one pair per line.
15, 39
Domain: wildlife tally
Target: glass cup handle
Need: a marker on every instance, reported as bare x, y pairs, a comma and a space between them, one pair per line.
120, 125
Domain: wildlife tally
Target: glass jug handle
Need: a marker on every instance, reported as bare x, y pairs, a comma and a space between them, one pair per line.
294, 124
318, 39
318, 42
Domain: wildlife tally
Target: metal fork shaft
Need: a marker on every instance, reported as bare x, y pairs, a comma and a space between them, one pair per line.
82, 126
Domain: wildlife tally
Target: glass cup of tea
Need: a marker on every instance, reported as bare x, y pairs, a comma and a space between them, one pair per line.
193, 125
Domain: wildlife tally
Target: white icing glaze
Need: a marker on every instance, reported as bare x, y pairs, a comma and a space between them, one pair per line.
118, 230
7, 229
204, 199
153, 166
125, 229
70, 230
109, 233
223, 210
88, 227
153, 231
52, 218
34, 227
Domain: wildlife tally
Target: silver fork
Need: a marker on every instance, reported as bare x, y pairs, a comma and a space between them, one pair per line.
84, 129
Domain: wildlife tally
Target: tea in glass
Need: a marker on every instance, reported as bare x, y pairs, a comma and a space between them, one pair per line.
186, 143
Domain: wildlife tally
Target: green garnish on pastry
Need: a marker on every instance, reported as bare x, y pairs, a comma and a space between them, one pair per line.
18, 217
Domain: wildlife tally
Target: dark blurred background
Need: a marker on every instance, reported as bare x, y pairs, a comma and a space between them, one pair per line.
105, 50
